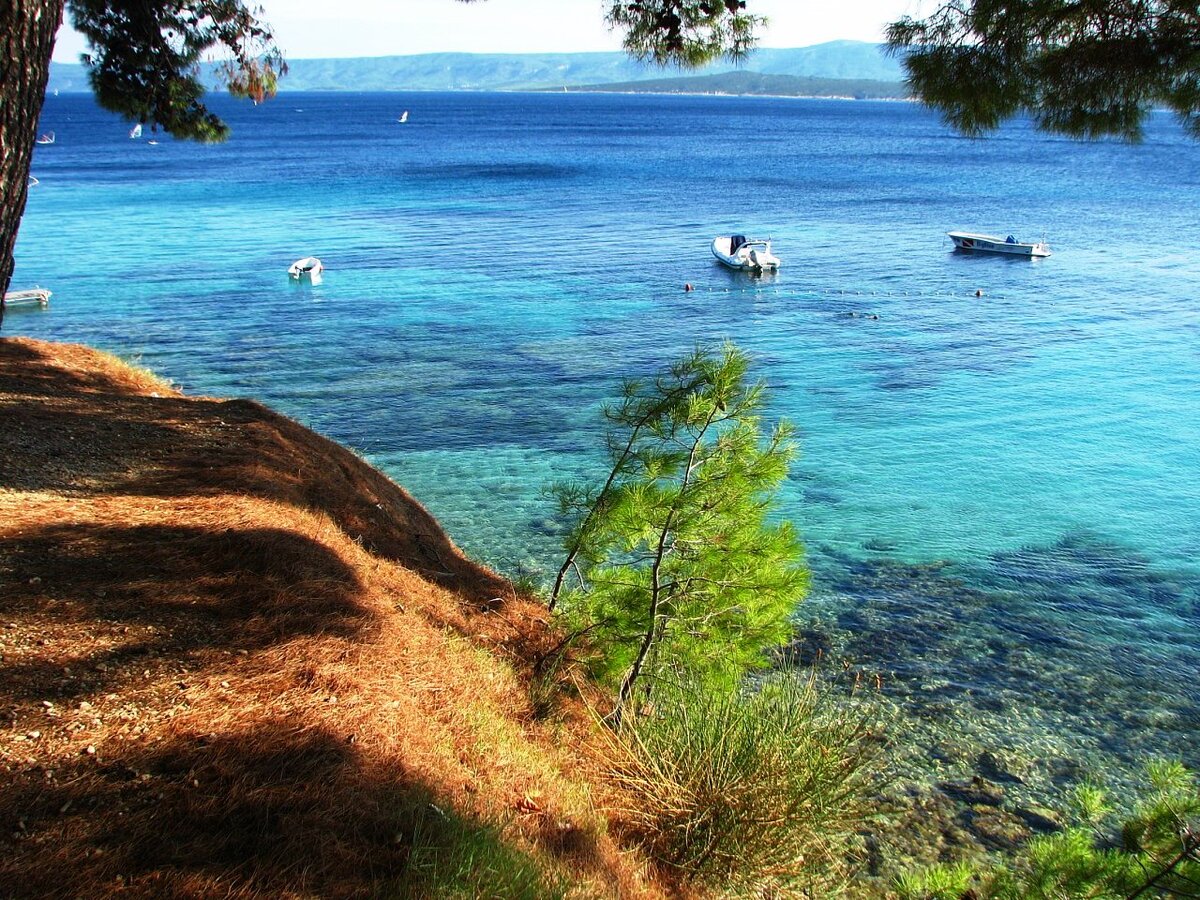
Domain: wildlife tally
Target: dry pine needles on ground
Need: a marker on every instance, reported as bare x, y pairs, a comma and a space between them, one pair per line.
238, 660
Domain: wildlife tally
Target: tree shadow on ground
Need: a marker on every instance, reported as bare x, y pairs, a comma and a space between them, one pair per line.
155, 595
271, 811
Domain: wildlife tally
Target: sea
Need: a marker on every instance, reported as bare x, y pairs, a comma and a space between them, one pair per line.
999, 486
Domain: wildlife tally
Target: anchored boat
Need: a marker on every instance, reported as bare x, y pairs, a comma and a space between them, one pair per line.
310, 267
38, 296
986, 243
746, 254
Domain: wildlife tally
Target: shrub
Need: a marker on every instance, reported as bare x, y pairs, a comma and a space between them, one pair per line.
753, 792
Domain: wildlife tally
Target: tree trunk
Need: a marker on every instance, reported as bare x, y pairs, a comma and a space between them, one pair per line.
27, 30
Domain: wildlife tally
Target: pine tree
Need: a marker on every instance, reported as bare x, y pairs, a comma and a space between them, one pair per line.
677, 567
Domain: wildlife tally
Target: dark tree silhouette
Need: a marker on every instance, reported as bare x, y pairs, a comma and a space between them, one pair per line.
1085, 68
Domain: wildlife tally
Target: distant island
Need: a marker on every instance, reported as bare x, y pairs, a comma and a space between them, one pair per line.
759, 84
849, 68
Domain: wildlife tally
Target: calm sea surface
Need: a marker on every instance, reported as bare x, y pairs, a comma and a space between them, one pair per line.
1000, 495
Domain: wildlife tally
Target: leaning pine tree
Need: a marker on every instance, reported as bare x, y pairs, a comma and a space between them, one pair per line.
672, 565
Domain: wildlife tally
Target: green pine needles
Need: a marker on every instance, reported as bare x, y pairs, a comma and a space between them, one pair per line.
672, 565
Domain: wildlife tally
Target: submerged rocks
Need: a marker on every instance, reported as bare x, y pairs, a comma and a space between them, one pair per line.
995, 828
994, 768
1039, 819
976, 792
807, 648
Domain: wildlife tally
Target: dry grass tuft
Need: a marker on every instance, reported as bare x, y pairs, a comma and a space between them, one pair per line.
236, 660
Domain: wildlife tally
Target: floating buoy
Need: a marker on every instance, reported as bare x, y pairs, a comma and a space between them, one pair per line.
979, 292
687, 287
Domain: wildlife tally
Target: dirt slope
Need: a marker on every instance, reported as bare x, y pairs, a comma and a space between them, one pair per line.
235, 660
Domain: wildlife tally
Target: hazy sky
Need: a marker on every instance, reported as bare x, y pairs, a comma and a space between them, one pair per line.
320, 28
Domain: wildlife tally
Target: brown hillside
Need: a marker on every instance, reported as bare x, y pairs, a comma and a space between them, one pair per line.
235, 660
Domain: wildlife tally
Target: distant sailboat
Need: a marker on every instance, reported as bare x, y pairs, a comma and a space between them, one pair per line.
403, 117
47, 138
135, 132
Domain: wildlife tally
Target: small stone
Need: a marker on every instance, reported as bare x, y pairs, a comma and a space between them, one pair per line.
33, 735
83, 704
224, 684
90, 750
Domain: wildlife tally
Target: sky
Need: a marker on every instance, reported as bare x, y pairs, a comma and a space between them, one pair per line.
312, 29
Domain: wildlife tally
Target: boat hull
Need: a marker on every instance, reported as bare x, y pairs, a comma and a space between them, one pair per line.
986, 243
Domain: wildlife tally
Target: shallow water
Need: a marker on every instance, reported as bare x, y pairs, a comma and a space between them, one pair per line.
999, 494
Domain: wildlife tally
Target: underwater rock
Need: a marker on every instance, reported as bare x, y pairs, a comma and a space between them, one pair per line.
547, 526
877, 546
1039, 818
1063, 769
976, 792
807, 648
996, 829
992, 767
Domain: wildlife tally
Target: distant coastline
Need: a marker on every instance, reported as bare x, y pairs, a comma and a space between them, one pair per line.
757, 84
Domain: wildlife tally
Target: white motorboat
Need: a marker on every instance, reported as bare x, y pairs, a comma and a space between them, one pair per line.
47, 138
39, 296
747, 254
987, 243
310, 267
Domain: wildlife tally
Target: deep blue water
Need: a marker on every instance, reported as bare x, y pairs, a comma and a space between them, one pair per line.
999, 494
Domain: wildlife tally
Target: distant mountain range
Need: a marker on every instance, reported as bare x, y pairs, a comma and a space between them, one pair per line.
756, 83
854, 60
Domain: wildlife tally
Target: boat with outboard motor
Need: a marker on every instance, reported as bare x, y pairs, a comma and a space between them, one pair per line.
966, 240
745, 254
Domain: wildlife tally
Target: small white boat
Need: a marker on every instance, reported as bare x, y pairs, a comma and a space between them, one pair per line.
987, 243
39, 296
47, 138
135, 132
33, 182
403, 117
747, 254
310, 267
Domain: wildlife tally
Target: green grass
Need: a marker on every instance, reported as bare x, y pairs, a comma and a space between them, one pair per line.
451, 858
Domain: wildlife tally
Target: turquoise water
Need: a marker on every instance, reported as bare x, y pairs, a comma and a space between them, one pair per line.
999, 494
